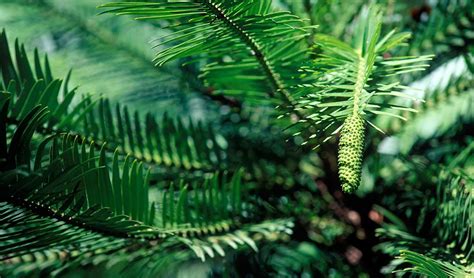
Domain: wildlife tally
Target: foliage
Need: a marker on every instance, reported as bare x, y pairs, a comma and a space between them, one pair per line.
157, 144
229, 153
448, 251
221, 28
86, 198
349, 88
448, 31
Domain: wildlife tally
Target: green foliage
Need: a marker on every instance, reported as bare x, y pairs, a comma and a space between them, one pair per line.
92, 205
342, 71
431, 268
121, 46
294, 259
445, 110
448, 31
87, 199
350, 86
259, 43
168, 143
331, 16
65, 201
208, 207
93, 187
446, 251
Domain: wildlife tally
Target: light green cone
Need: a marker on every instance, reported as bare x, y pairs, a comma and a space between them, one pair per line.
351, 146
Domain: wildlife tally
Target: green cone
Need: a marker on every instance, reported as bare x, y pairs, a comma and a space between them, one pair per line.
351, 146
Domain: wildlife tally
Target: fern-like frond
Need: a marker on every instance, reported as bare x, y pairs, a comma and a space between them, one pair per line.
446, 248
432, 268
352, 83
248, 236
200, 208
257, 51
67, 202
163, 143
121, 45
64, 200
87, 192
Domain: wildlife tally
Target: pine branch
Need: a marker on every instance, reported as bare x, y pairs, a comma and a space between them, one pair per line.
71, 191
161, 144
243, 41
79, 13
445, 239
130, 79
350, 85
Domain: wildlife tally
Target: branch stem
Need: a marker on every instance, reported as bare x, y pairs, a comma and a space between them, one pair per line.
359, 85
273, 77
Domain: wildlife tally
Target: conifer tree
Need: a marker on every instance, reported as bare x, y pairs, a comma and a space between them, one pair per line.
256, 138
